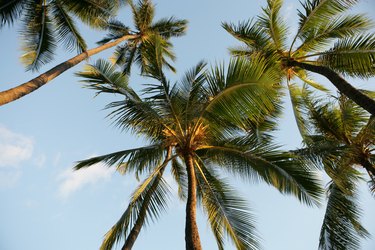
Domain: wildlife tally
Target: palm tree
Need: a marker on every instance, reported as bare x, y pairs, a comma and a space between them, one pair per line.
44, 23
328, 42
137, 41
341, 140
208, 124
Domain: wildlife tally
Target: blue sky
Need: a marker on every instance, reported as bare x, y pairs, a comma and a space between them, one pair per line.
45, 205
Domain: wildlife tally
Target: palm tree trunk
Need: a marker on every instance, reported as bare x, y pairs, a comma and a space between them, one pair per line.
192, 239
28, 87
133, 235
341, 84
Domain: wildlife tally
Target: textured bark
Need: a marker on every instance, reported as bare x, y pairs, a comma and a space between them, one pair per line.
341, 84
192, 239
133, 235
28, 87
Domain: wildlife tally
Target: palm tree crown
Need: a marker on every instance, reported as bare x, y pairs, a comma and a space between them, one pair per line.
341, 139
48, 22
209, 123
327, 42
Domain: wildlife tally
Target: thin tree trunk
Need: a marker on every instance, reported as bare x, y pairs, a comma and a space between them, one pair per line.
133, 235
341, 84
28, 87
192, 239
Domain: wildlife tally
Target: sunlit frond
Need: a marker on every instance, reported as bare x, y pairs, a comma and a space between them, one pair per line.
227, 213
354, 56
274, 24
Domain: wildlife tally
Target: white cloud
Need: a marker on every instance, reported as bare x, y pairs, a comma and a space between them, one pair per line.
14, 148
75, 180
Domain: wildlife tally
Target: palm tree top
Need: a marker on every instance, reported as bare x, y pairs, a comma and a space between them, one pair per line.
217, 121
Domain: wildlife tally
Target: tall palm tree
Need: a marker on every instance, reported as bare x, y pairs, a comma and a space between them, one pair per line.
137, 41
207, 124
328, 42
341, 139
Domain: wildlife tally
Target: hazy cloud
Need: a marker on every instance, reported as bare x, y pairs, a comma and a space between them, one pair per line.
71, 180
14, 148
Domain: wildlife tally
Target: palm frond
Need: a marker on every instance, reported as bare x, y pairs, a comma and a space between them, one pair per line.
274, 24
143, 14
341, 227
179, 174
318, 38
353, 56
250, 33
149, 204
227, 213
66, 28
244, 88
103, 77
10, 10
137, 159
317, 12
170, 27
38, 39
282, 170
116, 30
94, 13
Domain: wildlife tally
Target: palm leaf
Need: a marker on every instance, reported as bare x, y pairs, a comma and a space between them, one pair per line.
272, 21
353, 56
149, 204
66, 28
169, 27
137, 159
10, 10
318, 38
341, 227
38, 39
103, 77
94, 13
227, 213
279, 169
317, 12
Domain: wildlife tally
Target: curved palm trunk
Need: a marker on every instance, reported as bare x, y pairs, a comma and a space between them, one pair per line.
192, 240
133, 235
341, 84
28, 87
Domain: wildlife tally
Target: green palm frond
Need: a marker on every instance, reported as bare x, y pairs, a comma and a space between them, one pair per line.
353, 56
66, 28
244, 88
10, 11
143, 13
116, 29
38, 40
227, 213
341, 227
179, 174
282, 170
103, 77
250, 33
317, 12
274, 24
318, 38
94, 13
137, 160
169, 27
148, 204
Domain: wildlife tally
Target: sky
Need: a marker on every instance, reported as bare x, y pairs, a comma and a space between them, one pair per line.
45, 205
